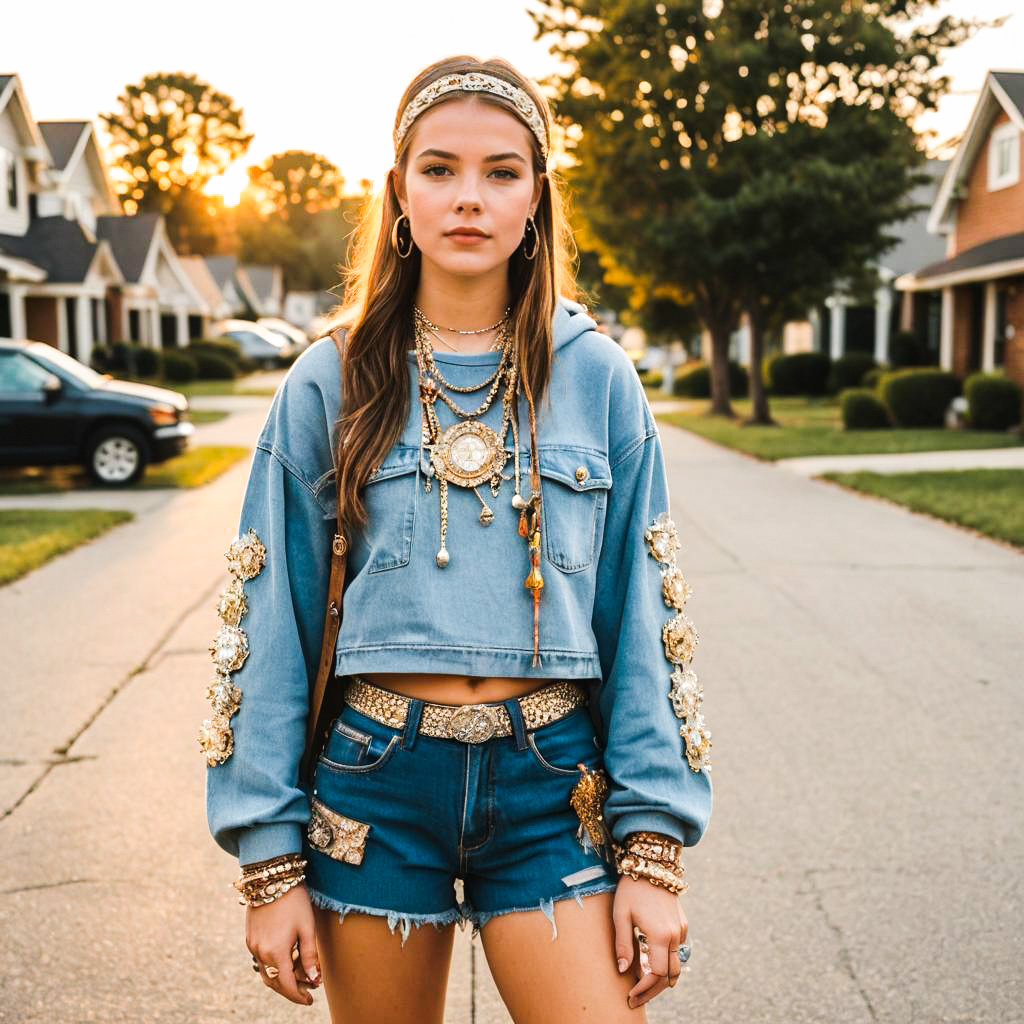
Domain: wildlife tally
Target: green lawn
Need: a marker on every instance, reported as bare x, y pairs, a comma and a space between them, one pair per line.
813, 426
31, 536
990, 501
196, 467
207, 415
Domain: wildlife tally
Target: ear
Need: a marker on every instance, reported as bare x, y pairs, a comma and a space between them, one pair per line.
398, 181
538, 188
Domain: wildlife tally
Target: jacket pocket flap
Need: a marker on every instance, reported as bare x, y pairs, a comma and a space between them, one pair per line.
401, 459
582, 469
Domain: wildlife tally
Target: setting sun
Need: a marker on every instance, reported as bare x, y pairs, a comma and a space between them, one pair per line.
229, 185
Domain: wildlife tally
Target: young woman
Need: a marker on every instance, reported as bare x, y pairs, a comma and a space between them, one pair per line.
521, 723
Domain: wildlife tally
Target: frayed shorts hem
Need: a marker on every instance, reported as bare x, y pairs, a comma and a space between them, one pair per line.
457, 915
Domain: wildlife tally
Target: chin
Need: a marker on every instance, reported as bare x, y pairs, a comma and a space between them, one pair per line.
467, 264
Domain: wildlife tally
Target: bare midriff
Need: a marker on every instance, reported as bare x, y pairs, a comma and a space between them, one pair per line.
446, 689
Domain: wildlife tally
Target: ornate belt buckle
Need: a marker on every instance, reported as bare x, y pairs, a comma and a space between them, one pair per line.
473, 723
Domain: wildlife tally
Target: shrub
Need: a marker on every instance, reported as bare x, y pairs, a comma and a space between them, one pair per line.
99, 358
652, 378
694, 380
179, 366
862, 410
849, 369
801, 373
906, 349
211, 366
138, 359
872, 377
993, 401
918, 397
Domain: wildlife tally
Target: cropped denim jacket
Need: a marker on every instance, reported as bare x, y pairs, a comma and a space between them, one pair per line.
611, 608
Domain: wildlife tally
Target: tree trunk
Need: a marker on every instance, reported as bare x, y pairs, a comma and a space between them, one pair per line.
759, 413
720, 404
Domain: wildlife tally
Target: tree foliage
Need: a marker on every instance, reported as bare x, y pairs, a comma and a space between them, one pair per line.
745, 153
172, 134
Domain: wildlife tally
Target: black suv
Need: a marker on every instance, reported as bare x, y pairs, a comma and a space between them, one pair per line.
56, 411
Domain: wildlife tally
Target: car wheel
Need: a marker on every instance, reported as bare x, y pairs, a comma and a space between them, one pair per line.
116, 456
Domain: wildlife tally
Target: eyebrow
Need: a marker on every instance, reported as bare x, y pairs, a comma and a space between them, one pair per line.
487, 159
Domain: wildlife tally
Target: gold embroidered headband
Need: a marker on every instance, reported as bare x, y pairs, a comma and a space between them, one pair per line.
474, 81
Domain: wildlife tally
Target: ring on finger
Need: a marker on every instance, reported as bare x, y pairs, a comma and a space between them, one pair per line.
645, 959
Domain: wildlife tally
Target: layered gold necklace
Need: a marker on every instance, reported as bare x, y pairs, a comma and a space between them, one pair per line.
470, 453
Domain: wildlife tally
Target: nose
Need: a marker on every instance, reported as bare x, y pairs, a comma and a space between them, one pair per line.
468, 196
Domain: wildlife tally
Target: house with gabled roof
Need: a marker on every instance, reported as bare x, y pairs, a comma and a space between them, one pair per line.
976, 292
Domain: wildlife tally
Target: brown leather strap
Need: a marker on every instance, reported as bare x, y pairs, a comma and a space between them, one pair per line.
321, 712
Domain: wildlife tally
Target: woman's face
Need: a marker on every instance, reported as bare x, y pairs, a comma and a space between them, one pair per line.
452, 181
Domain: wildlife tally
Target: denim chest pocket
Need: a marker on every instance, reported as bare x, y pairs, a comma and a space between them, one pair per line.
390, 499
575, 484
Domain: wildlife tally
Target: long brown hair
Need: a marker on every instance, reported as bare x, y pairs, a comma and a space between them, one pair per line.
380, 288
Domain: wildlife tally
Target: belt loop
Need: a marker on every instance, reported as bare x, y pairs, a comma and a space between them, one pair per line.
412, 722
515, 714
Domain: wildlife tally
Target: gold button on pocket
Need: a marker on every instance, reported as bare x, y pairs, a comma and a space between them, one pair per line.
582, 473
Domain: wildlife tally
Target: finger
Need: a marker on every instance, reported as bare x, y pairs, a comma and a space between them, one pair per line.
309, 955
286, 983
623, 935
657, 957
658, 985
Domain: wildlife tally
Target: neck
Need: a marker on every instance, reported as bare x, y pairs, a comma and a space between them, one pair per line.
463, 303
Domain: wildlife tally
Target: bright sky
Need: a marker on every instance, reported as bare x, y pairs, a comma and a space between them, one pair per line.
329, 77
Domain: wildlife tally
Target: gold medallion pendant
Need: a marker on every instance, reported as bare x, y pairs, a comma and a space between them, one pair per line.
468, 453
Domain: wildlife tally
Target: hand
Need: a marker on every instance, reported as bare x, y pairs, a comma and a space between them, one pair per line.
659, 915
271, 933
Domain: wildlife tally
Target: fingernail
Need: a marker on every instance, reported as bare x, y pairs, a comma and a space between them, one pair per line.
623, 964
314, 976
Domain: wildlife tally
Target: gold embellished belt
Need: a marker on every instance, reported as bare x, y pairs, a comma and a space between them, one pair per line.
469, 723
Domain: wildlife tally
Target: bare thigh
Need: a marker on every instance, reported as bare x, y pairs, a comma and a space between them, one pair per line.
570, 979
369, 976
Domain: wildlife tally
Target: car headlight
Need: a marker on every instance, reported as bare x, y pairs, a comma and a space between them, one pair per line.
163, 416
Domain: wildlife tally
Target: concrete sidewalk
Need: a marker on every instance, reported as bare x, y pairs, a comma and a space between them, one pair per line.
907, 462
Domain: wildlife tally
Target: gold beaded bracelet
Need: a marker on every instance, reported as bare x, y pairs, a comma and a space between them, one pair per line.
652, 856
268, 880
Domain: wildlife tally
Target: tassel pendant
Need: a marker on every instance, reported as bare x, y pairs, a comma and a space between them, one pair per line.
587, 800
535, 583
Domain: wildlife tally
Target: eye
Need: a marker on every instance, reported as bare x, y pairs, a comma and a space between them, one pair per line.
434, 167
512, 175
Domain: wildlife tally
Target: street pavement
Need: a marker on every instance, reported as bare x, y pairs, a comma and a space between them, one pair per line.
862, 672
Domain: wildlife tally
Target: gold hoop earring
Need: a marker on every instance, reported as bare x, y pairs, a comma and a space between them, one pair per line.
395, 241
530, 226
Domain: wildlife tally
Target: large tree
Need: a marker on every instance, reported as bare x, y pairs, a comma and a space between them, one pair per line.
173, 134
742, 152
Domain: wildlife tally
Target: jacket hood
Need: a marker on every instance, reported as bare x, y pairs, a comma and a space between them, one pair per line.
571, 321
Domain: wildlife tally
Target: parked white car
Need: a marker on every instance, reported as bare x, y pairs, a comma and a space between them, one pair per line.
296, 335
256, 341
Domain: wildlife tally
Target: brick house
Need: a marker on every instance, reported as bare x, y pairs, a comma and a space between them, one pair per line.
974, 297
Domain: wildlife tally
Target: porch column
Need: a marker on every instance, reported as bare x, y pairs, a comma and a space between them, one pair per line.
182, 325
814, 317
155, 340
946, 330
988, 332
18, 326
83, 327
838, 323
883, 315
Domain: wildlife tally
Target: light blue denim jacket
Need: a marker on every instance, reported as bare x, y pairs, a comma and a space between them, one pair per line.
602, 607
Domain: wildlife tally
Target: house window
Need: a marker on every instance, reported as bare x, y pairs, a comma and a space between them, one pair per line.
1004, 157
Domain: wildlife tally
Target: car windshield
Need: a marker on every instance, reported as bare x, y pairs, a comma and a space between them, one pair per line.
89, 377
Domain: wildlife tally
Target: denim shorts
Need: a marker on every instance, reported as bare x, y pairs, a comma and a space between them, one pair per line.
453, 831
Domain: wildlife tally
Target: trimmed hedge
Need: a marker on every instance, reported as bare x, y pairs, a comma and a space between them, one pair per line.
178, 366
147, 361
918, 397
862, 410
872, 377
800, 373
211, 366
993, 401
849, 369
694, 380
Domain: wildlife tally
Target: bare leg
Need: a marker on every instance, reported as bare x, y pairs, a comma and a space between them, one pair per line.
370, 976
571, 979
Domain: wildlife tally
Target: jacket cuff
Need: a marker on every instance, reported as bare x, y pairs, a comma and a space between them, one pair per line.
648, 821
262, 842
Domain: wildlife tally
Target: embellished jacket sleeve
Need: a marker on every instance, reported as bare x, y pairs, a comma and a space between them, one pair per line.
657, 746
267, 648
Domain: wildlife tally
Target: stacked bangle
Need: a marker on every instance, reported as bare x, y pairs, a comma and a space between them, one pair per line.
268, 880
655, 857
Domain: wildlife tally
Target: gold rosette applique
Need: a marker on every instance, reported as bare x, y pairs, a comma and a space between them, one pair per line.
246, 557
587, 800
680, 639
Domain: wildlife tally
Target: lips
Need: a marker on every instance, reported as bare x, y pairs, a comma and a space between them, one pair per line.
471, 232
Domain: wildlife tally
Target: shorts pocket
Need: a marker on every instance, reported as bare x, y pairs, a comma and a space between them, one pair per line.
358, 750
560, 748
336, 835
